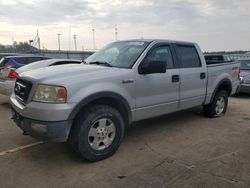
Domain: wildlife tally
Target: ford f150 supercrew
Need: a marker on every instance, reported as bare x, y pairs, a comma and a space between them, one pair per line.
89, 105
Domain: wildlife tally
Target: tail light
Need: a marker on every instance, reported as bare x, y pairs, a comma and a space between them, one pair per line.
13, 74
239, 73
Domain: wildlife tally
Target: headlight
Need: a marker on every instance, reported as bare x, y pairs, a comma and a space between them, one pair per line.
50, 94
241, 79
246, 81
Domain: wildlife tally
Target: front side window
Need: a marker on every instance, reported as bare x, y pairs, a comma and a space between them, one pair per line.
245, 65
162, 54
119, 54
188, 56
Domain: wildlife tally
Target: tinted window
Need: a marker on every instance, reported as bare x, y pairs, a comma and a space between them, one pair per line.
214, 58
33, 59
27, 60
245, 65
21, 60
188, 56
162, 54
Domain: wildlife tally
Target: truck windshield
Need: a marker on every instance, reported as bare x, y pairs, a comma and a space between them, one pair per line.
118, 54
245, 65
2, 62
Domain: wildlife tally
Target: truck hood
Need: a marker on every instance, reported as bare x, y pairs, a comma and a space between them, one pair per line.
63, 73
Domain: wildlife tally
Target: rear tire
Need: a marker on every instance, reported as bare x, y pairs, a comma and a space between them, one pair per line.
218, 106
98, 132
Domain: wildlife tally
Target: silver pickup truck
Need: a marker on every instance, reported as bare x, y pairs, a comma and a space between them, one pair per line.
89, 105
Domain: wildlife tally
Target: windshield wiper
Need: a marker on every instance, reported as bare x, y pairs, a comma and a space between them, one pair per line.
101, 63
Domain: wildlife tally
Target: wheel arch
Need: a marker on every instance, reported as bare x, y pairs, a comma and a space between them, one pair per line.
224, 84
109, 98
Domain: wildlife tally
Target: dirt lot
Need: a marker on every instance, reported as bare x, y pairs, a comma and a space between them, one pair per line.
183, 149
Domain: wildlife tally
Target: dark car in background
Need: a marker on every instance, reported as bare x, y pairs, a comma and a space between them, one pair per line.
2, 55
7, 54
8, 65
19, 61
8, 75
245, 76
217, 58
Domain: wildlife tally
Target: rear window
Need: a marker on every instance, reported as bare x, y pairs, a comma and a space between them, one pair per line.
188, 56
214, 58
28, 60
33, 59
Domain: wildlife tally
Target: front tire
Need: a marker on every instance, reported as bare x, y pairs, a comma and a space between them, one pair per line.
99, 132
218, 106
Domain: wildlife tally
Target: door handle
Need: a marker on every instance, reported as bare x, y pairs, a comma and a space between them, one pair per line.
175, 78
202, 75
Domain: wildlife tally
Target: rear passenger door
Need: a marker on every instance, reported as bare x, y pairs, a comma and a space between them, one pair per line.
193, 76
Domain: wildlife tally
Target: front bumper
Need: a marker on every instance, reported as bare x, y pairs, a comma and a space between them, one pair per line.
42, 120
7, 87
42, 111
244, 88
48, 131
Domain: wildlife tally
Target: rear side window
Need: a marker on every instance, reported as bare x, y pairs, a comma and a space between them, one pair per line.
188, 56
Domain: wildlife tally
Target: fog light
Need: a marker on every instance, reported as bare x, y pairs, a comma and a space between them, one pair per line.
39, 127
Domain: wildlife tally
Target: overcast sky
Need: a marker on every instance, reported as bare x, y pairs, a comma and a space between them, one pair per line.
214, 24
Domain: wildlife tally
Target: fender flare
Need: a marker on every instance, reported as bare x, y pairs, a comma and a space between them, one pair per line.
223, 81
100, 95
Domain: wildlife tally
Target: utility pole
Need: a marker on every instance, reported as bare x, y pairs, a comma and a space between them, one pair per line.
59, 41
93, 30
69, 36
38, 41
116, 32
74, 36
13, 44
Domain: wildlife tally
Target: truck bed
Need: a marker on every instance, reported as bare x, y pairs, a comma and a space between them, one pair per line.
220, 71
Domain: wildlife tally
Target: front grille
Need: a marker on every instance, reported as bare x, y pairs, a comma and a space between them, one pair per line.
22, 90
247, 81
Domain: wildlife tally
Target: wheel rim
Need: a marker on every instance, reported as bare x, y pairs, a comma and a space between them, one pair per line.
101, 134
220, 105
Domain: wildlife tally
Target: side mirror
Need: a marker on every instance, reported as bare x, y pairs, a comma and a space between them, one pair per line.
153, 67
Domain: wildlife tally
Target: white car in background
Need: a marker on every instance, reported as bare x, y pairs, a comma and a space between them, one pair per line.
8, 75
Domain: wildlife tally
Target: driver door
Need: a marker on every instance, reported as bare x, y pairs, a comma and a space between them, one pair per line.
158, 93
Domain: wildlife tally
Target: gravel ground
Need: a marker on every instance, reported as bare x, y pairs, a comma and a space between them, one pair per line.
183, 149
